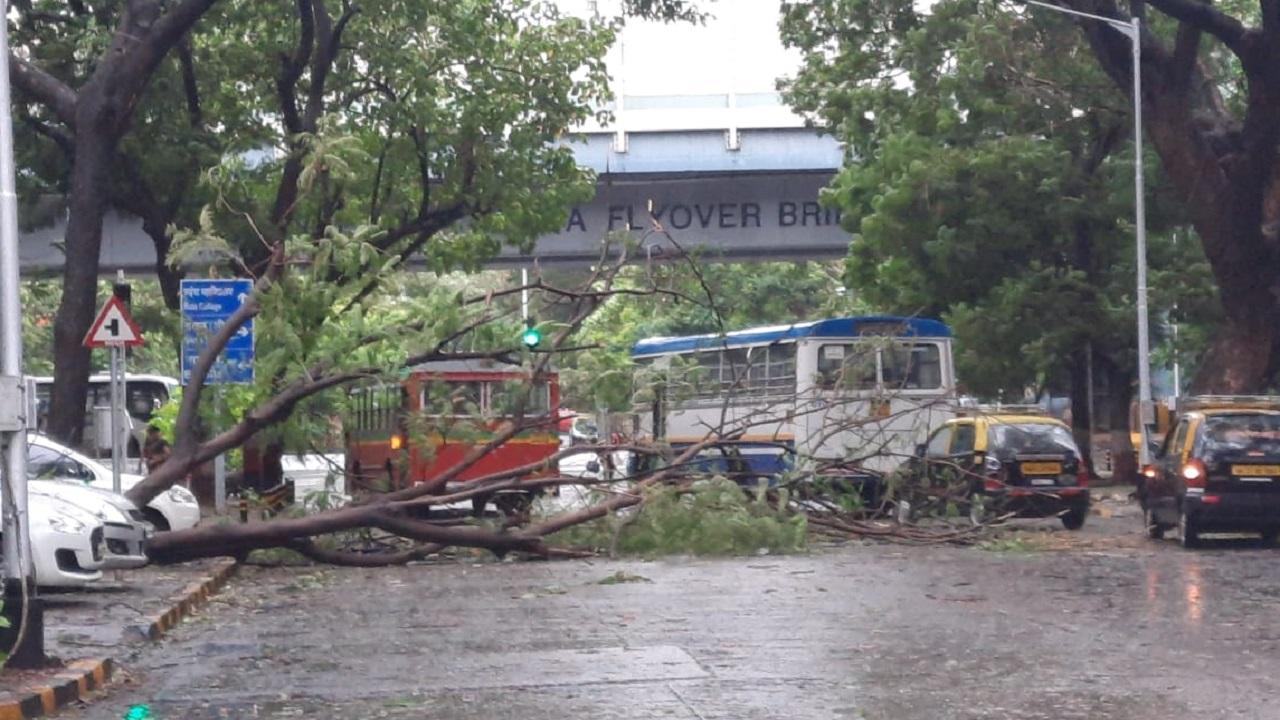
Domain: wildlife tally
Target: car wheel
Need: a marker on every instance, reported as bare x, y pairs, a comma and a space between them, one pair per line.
156, 518
1074, 518
1269, 536
1188, 533
1155, 530
977, 509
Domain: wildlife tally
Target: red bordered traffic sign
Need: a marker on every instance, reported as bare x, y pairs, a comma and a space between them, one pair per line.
114, 327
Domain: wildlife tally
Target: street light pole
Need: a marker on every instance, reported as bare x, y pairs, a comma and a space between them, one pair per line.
1133, 31
24, 638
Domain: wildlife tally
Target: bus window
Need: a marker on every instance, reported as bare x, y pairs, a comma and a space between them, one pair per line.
733, 369
847, 366
143, 398
504, 397
909, 366
782, 370
457, 398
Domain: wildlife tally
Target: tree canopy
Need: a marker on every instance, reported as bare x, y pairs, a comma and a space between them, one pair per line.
989, 181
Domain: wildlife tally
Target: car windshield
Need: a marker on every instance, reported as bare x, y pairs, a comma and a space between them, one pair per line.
1031, 438
1240, 434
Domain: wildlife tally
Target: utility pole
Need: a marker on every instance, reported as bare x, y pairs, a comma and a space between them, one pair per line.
24, 638
1132, 29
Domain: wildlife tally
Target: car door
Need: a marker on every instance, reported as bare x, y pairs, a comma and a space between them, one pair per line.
963, 439
937, 455
1162, 490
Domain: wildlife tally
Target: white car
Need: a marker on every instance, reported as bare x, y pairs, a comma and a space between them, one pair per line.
66, 543
173, 509
125, 530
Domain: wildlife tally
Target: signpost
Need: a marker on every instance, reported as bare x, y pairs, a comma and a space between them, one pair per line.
115, 330
206, 307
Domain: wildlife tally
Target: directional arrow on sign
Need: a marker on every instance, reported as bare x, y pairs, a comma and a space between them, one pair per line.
113, 327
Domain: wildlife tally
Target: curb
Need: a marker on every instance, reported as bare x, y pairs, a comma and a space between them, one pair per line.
77, 681
82, 677
193, 596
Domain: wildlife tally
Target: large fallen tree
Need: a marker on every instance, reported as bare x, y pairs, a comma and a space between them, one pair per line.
404, 515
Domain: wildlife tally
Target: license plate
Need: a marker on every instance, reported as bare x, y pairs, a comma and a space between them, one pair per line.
1041, 481
1041, 468
1255, 470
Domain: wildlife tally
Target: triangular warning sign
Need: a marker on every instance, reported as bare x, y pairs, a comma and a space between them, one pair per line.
113, 327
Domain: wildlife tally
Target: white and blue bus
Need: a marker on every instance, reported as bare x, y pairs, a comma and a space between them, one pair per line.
856, 391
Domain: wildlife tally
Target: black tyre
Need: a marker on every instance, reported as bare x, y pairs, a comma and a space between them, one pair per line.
1188, 533
1269, 536
514, 504
1155, 530
478, 504
1074, 518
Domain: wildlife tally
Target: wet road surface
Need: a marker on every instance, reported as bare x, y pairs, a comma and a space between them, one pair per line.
1115, 626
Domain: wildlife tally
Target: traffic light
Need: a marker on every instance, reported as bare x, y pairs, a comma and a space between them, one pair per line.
139, 712
124, 291
531, 337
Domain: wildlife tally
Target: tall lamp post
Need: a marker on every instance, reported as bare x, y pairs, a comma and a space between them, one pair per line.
1133, 31
23, 639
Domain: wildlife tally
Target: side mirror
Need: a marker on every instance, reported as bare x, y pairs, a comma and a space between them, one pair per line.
920, 449
593, 466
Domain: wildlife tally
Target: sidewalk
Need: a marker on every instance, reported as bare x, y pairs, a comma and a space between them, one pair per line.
86, 628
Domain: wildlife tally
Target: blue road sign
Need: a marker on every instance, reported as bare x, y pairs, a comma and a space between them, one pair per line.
206, 306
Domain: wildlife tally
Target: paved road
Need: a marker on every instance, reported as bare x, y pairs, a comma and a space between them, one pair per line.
1113, 628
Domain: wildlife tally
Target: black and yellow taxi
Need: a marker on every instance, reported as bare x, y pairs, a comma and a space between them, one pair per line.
1218, 470
1015, 460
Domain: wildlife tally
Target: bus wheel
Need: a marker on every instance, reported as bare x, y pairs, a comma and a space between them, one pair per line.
514, 504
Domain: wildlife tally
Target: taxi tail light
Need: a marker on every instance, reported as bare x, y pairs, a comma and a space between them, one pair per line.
1149, 472
1194, 473
397, 441
1082, 475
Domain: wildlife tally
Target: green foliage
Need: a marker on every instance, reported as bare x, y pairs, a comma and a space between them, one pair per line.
622, 576
992, 185
160, 327
714, 518
1013, 545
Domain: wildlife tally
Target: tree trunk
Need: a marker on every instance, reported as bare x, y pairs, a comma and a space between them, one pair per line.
1080, 420
1124, 459
88, 203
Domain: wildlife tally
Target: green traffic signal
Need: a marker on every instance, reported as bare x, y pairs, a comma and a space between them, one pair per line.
139, 712
531, 336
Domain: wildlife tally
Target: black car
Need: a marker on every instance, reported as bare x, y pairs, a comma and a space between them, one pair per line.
1218, 470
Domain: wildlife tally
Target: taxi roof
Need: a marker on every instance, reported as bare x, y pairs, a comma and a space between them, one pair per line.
1009, 419
1219, 404
1233, 410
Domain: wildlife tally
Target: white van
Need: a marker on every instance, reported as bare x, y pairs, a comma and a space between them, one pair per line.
144, 393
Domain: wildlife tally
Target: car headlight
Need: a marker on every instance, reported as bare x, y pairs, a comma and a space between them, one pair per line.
181, 495
65, 524
991, 465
